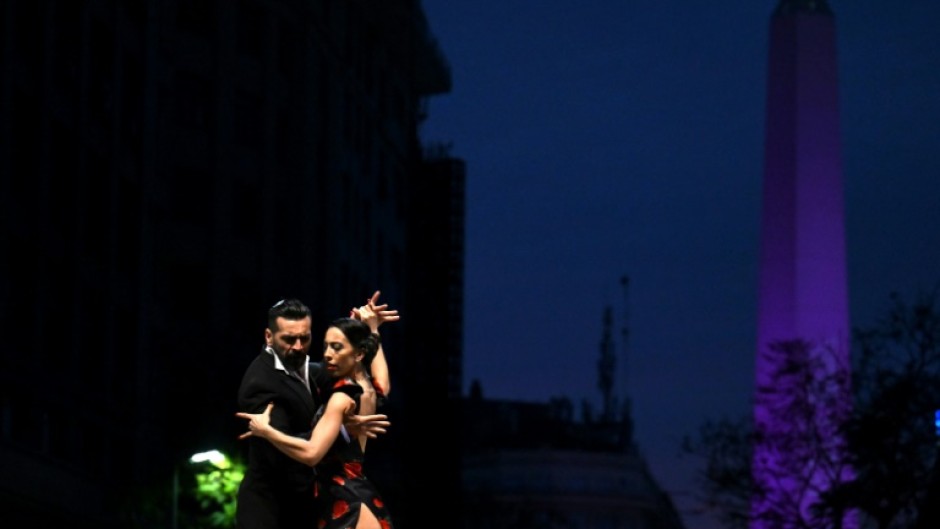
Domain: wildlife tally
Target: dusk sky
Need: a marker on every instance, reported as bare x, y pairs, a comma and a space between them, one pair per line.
610, 137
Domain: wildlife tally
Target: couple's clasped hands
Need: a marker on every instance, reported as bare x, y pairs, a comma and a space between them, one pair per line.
259, 424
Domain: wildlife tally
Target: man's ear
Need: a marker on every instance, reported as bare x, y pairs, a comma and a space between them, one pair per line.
268, 337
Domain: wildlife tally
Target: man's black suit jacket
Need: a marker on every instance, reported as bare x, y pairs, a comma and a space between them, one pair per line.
277, 491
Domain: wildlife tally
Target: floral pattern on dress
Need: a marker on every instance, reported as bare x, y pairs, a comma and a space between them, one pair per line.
341, 479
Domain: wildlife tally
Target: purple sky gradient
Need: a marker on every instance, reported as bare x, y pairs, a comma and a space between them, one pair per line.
612, 137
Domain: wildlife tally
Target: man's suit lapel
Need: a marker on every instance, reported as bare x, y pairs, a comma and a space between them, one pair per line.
297, 387
294, 386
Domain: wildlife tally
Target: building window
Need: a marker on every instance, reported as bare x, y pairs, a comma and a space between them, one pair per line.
101, 74
195, 16
250, 23
249, 122
192, 101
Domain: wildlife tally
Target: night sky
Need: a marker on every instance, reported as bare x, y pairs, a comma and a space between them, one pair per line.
609, 137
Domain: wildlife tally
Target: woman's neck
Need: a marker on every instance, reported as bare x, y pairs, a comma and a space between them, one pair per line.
359, 374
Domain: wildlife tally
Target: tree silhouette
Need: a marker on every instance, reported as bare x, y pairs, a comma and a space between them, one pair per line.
879, 459
891, 434
725, 446
804, 453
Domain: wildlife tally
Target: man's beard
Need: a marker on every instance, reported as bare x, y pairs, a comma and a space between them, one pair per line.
293, 359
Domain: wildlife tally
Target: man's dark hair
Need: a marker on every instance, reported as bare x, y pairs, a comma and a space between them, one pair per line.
289, 309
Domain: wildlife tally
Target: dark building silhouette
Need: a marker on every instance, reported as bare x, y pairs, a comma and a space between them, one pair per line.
169, 170
537, 465
435, 339
437, 253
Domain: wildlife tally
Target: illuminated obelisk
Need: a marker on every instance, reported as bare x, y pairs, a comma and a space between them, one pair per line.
803, 296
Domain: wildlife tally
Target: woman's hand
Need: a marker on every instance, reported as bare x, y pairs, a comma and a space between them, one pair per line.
368, 425
258, 423
373, 314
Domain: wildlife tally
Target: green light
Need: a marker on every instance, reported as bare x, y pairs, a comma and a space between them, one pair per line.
211, 491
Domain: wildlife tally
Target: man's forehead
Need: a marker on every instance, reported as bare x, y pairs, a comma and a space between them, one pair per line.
286, 326
293, 332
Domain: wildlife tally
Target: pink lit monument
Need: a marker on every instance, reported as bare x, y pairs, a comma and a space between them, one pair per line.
803, 303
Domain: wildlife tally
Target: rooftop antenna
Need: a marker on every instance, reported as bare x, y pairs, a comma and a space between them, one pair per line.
606, 366
625, 347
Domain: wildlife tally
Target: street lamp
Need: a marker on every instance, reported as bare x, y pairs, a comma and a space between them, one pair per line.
218, 459
214, 457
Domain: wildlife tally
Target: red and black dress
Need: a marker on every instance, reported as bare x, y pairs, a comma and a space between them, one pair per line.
341, 486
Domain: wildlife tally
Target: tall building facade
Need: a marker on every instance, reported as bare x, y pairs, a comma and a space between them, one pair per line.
437, 253
803, 314
168, 170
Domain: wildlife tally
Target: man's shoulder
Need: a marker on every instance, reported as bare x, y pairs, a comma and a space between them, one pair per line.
258, 383
261, 367
263, 358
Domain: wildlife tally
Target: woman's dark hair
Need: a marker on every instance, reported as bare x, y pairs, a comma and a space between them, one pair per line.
360, 337
289, 309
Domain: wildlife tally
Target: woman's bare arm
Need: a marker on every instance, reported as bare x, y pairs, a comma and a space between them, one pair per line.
307, 451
